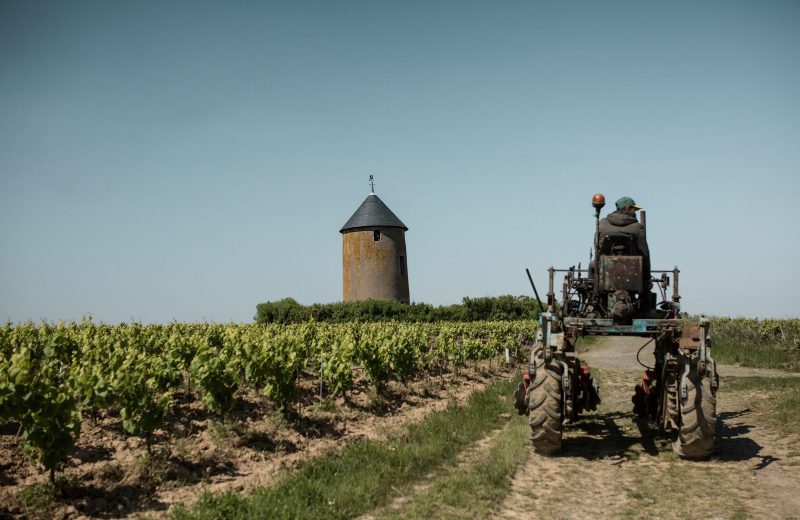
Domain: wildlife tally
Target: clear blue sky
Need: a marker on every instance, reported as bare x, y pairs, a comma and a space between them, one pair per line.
187, 160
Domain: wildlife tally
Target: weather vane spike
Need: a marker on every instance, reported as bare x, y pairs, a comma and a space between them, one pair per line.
371, 185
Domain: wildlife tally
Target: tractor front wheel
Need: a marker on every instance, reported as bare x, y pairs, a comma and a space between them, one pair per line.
545, 403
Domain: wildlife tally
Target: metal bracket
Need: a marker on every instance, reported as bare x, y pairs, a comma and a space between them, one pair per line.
703, 350
566, 384
545, 329
713, 375
685, 387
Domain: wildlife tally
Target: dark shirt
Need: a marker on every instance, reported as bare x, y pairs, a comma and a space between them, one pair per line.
622, 223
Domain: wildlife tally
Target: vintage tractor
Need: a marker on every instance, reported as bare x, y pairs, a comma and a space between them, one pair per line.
614, 298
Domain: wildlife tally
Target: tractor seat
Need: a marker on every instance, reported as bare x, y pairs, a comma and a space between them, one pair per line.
618, 246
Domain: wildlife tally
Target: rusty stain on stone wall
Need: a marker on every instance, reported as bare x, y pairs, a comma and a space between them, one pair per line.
375, 269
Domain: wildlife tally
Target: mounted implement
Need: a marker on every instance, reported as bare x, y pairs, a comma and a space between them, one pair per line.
613, 297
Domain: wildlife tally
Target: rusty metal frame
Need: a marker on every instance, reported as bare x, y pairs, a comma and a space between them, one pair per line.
637, 327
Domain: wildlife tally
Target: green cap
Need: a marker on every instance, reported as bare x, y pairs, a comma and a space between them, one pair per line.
626, 202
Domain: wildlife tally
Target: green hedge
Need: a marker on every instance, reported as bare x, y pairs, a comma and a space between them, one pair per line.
498, 308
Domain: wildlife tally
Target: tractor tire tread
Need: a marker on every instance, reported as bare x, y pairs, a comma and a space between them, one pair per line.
545, 404
698, 417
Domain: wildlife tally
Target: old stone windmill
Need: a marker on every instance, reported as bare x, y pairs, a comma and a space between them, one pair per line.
374, 261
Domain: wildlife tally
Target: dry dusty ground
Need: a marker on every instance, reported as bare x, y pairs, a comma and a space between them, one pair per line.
610, 468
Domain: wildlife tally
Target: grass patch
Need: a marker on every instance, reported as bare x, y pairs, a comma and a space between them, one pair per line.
755, 355
585, 343
780, 405
38, 500
327, 404
673, 490
767, 344
223, 433
366, 474
473, 489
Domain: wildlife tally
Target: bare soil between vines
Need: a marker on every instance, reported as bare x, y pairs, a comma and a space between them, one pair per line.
110, 475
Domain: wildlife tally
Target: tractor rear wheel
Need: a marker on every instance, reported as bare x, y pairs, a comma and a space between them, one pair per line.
698, 417
545, 404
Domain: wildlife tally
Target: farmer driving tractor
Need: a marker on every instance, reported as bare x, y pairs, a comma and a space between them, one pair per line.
622, 233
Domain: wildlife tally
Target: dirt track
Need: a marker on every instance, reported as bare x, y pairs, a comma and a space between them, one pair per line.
610, 468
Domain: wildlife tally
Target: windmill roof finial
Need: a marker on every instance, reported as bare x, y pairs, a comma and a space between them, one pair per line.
371, 185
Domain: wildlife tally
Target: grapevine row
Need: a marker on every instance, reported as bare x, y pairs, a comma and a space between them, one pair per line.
53, 374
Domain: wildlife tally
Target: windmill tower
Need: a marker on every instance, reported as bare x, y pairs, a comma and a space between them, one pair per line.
374, 261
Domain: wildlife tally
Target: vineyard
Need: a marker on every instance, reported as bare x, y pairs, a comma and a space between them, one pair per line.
51, 376
110, 404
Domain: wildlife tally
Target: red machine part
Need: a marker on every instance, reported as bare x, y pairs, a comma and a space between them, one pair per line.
589, 395
586, 377
648, 376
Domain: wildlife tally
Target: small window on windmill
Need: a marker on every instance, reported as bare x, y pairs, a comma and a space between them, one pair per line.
402, 265
376, 235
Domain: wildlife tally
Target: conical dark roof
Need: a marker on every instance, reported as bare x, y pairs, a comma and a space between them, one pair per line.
373, 213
